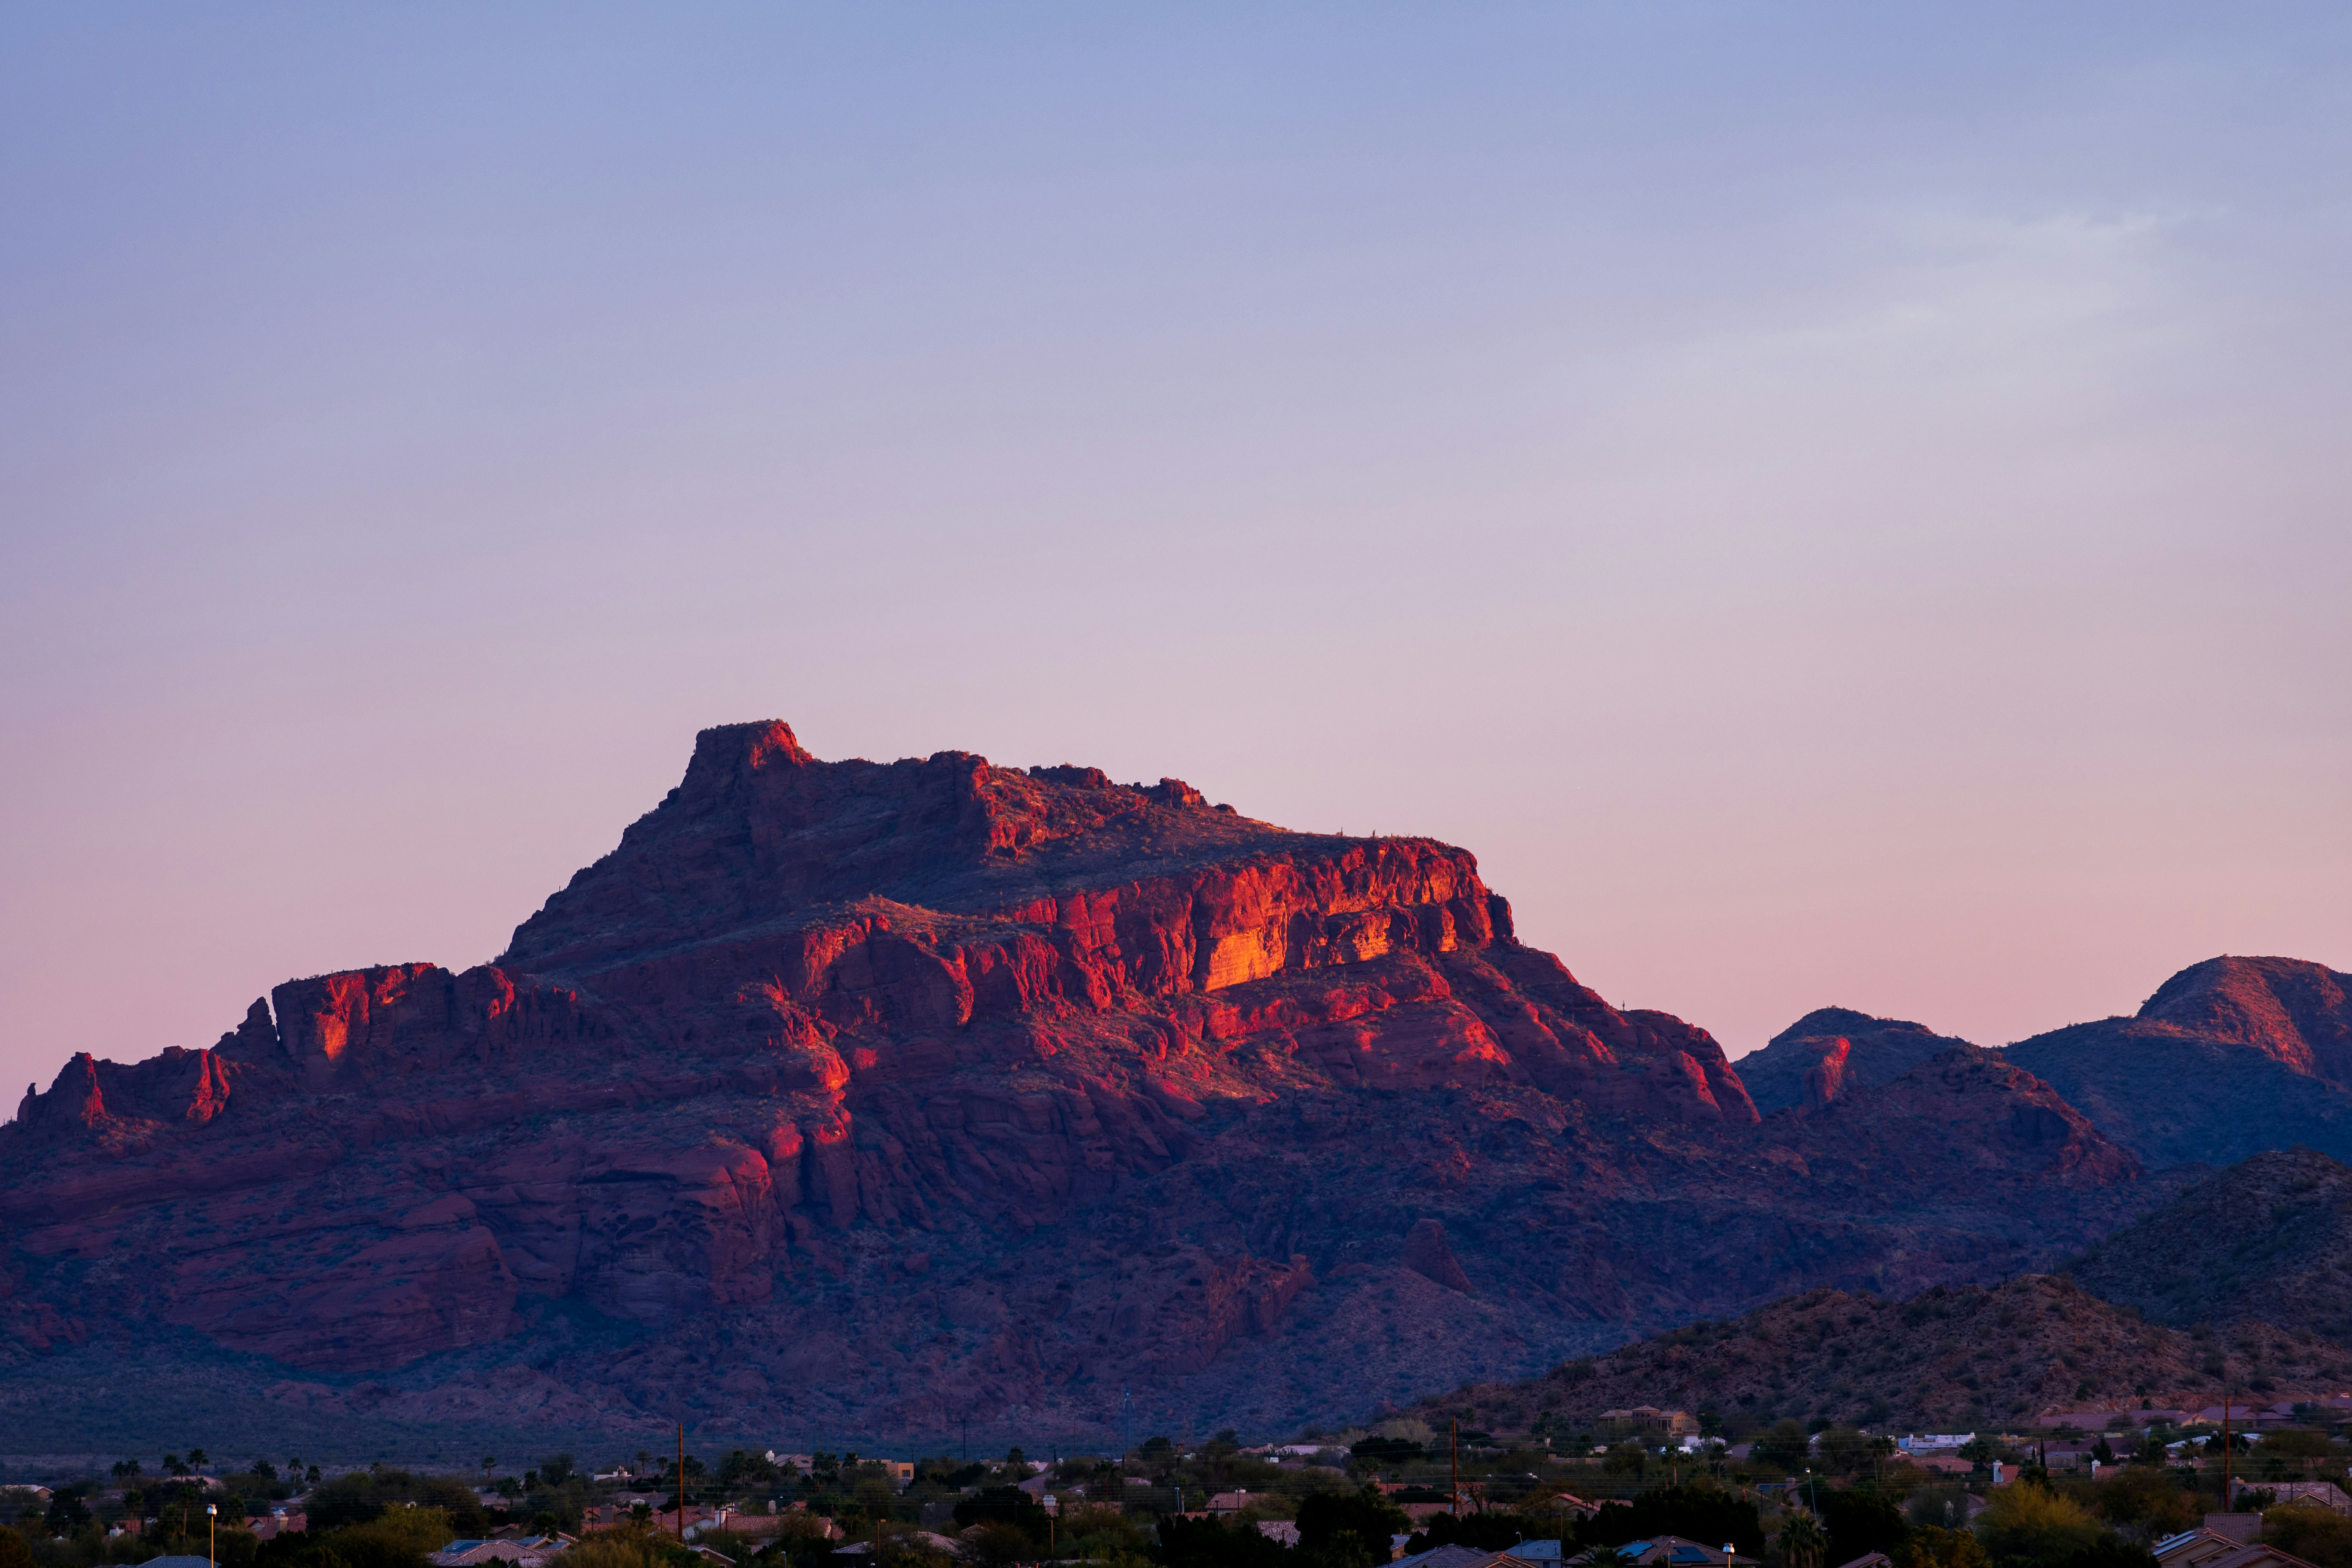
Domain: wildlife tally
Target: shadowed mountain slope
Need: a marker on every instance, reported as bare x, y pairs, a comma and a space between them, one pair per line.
2269, 1238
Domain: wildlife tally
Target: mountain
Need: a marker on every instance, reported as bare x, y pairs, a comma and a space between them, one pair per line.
2229, 1058
1829, 1051
1953, 1358
855, 1101
2269, 1238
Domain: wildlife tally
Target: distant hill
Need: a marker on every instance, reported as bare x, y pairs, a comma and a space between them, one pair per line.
1952, 1357
1832, 1049
2271, 1238
2229, 1058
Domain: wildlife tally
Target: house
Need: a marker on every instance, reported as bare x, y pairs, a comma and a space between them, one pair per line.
1459, 1557
278, 1522
1534, 1551
1673, 1552
2240, 1527
1870, 1559
529, 1552
1650, 1418
1228, 1502
177, 1563
2321, 1494
1568, 1502
2209, 1549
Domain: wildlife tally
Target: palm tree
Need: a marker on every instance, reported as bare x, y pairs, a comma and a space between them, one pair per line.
1803, 1544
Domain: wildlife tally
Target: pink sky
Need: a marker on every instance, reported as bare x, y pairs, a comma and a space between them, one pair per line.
1831, 507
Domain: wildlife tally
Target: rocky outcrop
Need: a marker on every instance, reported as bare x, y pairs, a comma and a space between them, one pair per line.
1426, 1254
915, 1089
2229, 1058
1831, 1050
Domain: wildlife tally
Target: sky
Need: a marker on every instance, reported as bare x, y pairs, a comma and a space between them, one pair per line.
1834, 504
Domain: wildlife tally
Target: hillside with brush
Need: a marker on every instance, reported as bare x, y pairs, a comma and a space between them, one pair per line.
2271, 1238
1952, 1357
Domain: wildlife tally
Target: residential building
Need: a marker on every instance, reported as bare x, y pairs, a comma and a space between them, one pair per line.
2321, 1494
1459, 1557
1673, 1552
1650, 1418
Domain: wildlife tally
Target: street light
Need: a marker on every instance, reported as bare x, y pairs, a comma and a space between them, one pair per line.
211, 1534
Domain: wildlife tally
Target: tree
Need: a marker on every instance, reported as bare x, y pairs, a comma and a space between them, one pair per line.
1003, 1505
2151, 1497
1843, 1451
13, 1553
556, 1470
1786, 1445
2315, 1535
1860, 1522
1347, 1529
1933, 1546
1802, 1543
1696, 1511
1213, 1543
998, 1545
2108, 1551
2033, 1524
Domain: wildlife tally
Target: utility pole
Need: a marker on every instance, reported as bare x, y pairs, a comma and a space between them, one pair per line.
1454, 1432
2225, 1446
681, 1483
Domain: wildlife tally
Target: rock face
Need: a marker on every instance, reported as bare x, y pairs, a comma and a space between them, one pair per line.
2268, 1239
2230, 1057
930, 1091
1831, 1050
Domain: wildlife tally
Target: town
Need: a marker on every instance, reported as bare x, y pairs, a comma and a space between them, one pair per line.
2232, 1485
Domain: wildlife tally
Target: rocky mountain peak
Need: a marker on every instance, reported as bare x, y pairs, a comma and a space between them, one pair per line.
2289, 1009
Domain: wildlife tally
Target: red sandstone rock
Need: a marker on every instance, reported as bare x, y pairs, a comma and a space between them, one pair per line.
1160, 1095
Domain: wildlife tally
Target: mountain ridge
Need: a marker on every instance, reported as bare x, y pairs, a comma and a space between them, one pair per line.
911, 1090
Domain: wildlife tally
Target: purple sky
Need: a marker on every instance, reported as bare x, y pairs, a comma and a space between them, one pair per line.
1834, 504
